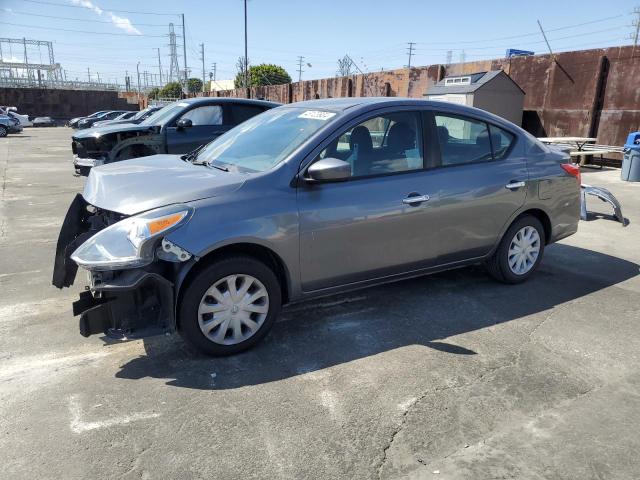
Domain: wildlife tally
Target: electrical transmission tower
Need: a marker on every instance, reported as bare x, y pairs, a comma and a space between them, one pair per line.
449, 57
174, 68
410, 49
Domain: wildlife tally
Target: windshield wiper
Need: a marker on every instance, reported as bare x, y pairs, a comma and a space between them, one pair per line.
219, 167
193, 155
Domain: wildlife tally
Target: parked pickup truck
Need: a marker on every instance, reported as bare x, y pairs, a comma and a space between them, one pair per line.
180, 127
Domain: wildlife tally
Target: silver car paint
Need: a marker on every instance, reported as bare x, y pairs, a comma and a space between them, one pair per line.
337, 236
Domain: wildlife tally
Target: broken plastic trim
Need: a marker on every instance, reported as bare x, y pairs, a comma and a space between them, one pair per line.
604, 195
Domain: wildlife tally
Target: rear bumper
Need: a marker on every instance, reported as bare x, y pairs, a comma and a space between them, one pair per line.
135, 303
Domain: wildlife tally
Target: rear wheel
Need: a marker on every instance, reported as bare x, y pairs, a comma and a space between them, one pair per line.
229, 306
520, 251
3, 131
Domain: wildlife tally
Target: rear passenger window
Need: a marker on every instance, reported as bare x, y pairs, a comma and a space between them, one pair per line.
242, 113
462, 140
501, 141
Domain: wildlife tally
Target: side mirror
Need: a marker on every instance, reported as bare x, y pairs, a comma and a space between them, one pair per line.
329, 170
184, 123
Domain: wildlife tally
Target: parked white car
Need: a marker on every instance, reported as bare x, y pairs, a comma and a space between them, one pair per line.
12, 112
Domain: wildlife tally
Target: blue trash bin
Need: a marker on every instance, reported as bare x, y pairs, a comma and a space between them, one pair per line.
631, 159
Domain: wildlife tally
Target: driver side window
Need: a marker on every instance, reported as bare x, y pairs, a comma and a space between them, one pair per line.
207, 115
384, 144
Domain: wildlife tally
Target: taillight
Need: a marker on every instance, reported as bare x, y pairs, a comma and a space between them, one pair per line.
572, 169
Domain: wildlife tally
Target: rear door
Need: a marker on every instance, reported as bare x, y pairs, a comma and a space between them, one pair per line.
206, 124
480, 183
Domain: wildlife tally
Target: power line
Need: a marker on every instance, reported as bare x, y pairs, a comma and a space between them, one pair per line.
42, 2
75, 19
82, 31
532, 34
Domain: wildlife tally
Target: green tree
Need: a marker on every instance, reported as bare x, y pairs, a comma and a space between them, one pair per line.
154, 93
194, 85
171, 90
263, 74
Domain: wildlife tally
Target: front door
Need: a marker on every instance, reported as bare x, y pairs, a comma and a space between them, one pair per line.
206, 125
377, 223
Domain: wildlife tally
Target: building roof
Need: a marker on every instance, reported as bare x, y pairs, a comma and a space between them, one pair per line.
477, 81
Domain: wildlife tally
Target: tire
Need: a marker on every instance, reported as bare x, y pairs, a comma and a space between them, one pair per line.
498, 265
247, 323
3, 131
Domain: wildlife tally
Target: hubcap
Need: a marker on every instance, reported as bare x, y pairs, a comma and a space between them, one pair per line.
524, 250
233, 309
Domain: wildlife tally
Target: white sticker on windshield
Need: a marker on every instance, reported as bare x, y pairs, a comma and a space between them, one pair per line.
317, 115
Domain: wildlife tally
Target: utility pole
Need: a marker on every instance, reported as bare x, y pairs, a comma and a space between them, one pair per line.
636, 23
159, 65
546, 41
246, 52
410, 51
300, 61
214, 71
98, 74
89, 74
138, 70
204, 80
184, 52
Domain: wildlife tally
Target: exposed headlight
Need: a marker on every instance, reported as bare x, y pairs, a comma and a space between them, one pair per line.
131, 242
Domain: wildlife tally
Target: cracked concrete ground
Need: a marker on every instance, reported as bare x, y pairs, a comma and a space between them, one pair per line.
451, 376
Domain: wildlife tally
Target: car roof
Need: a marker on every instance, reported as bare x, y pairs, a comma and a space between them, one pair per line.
246, 101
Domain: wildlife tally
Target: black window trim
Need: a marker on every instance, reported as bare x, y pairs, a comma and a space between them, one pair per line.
304, 165
447, 113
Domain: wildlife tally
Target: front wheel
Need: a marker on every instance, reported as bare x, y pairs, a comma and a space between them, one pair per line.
520, 251
3, 131
229, 306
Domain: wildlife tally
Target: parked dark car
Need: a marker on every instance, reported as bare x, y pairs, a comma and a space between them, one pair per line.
44, 122
73, 123
306, 200
136, 118
179, 127
89, 121
123, 117
9, 125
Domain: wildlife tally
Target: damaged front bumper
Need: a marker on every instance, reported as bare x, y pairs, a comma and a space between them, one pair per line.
83, 166
131, 303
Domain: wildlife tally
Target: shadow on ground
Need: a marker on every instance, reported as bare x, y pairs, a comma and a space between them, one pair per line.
423, 311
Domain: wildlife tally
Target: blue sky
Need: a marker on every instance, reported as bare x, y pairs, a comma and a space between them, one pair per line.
374, 33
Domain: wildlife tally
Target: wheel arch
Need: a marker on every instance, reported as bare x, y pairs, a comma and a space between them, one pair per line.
544, 220
254, 250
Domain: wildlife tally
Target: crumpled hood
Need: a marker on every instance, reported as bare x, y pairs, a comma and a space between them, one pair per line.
141, 184
106, 130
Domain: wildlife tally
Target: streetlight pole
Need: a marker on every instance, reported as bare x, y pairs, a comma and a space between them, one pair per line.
246, 58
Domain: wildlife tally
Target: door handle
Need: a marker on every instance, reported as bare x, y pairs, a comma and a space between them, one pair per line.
513, 185
415, 199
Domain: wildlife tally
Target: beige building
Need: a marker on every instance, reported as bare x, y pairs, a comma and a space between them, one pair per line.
493, 91
215, 85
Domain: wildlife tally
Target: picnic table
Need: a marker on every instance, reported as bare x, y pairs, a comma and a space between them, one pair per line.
583, 147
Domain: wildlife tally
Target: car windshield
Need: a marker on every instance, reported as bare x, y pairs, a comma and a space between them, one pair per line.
266, 139
165, 114
140, 114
